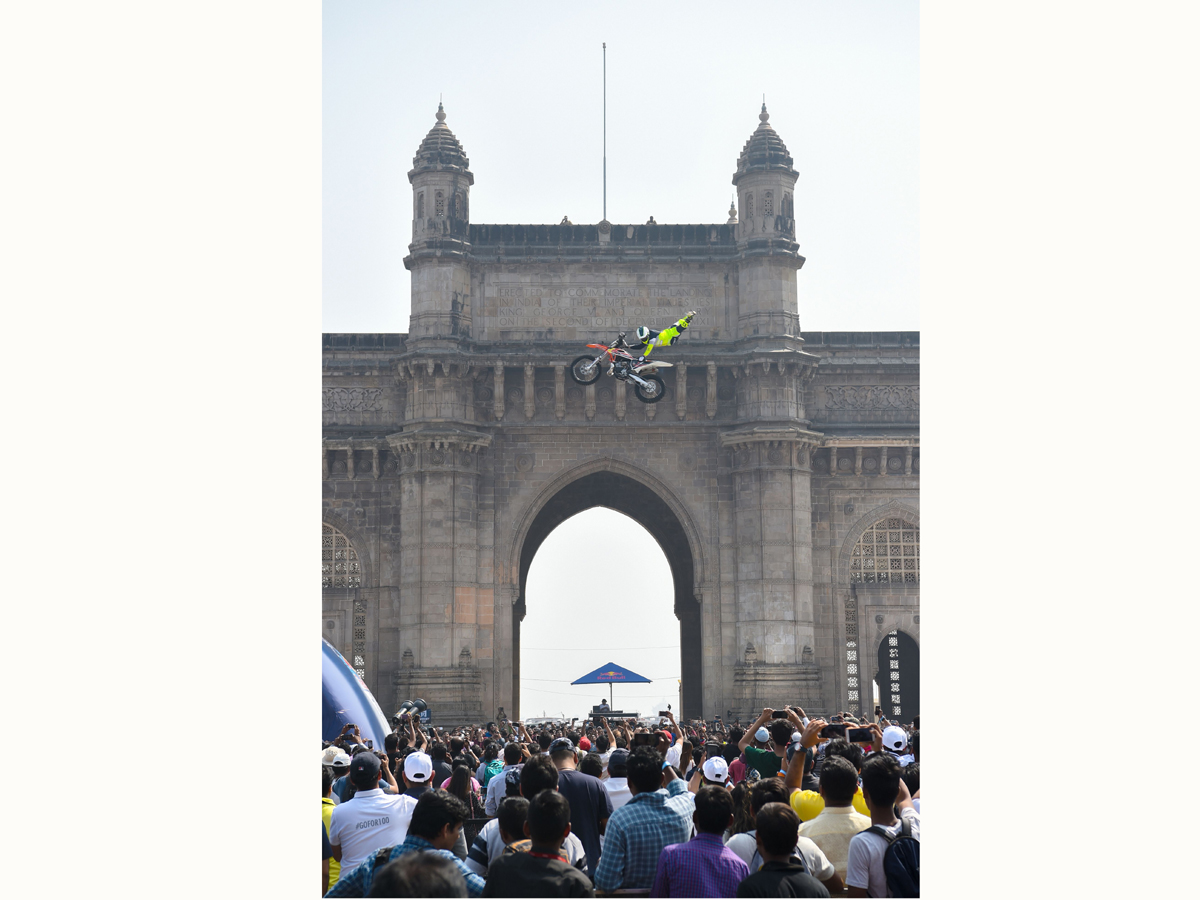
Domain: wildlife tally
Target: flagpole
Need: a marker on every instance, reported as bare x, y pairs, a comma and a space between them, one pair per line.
604, 50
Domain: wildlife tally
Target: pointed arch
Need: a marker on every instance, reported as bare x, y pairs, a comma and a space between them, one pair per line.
618, 467
630, 490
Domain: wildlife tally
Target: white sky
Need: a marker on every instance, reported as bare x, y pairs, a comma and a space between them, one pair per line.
599, 590
522, 88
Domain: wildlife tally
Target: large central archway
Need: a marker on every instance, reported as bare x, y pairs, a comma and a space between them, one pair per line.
635, 499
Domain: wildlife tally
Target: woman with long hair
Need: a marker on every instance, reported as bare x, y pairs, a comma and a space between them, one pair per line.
743, 818
462, 786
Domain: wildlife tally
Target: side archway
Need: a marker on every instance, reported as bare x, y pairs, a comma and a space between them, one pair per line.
899, 679
645, 500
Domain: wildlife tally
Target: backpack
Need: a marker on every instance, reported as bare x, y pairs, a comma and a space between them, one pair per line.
901, 860
493, 768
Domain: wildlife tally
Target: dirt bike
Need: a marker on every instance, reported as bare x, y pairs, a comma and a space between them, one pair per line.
623, 366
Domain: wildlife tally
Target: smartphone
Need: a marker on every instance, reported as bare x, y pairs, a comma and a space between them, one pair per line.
859, 735
834, 731
370, 745
779, 714
663, 714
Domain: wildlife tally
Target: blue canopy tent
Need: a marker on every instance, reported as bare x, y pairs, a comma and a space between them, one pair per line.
609, 673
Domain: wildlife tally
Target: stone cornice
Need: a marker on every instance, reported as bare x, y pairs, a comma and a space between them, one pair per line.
439, 437
770, 434
871, 441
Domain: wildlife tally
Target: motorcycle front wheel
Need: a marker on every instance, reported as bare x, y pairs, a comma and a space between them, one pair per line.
652, 394
585, 370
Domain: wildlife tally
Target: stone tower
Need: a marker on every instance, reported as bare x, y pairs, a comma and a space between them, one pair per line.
765, 182
441, 182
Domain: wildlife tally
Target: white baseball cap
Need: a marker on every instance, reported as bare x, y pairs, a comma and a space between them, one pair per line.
716, 769
418, 766
894, 738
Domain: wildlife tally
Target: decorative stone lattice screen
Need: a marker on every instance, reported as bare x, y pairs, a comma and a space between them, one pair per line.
893, 652
340, 569
888, 552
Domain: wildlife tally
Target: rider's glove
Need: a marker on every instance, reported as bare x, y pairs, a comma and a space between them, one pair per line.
691, 315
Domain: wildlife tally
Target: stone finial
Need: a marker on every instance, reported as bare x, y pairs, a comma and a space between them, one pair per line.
464, 658
441, 114
751, 654
762, 116
651, 221
732, 213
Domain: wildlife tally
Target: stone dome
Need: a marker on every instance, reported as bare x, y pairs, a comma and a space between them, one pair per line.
440, 148
764, 150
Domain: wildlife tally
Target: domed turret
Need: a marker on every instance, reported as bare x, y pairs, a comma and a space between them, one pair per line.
440, 150
765, 181
441, 183
766, 231
764, 150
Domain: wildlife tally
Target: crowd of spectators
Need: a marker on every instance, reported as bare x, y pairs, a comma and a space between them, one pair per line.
785, 806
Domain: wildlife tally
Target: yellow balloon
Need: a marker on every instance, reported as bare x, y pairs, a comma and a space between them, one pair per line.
807, 804
859, 803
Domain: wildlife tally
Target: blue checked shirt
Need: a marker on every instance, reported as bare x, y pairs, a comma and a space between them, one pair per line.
357, 882
638, 832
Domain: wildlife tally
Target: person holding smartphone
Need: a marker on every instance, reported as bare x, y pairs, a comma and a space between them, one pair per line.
771, 761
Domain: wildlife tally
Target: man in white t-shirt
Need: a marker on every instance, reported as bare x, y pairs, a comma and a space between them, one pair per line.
371, 819
882, 788
671, 751
617, 784
895, 742
495, 788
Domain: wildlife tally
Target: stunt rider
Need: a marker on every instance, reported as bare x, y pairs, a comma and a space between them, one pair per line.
647, 339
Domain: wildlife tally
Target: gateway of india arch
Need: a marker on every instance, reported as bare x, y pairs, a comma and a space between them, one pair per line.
779, 473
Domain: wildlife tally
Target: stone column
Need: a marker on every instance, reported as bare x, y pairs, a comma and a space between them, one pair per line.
681, 391
498, 391
773, 560
441, 593
560, 393
530, 405
710, 400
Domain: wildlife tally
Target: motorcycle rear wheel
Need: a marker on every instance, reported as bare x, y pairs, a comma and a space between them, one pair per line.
654, 393
585, 370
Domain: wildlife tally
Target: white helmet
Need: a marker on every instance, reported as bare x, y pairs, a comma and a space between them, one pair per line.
643, 333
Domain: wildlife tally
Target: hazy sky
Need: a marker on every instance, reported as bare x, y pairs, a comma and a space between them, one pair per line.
522, 89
